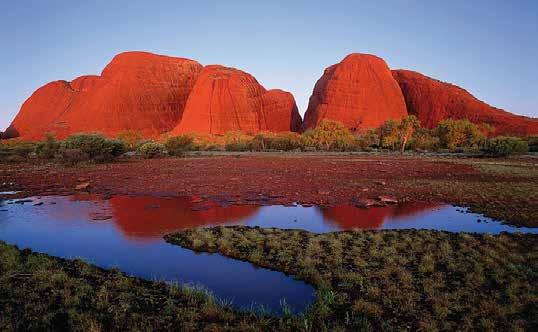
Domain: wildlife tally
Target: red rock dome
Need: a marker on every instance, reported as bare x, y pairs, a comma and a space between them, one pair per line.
136, 91
359, 92
226, 99
433, 101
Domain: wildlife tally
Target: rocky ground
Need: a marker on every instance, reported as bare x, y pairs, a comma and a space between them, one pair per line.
501, 188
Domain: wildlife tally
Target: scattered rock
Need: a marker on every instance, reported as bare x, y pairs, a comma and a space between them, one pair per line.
22, 201
365, 203
388, 199
82, 186
100, 217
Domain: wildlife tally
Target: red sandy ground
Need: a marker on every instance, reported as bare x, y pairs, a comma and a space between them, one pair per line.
275, 178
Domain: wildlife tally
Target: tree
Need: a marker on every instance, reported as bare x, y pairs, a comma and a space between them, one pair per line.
406, 129
459, 134
389, 134
329, 136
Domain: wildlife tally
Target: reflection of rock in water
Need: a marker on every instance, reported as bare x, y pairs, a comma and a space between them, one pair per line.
350, 217
150, 217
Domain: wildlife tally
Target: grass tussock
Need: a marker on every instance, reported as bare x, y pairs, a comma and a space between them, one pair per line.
418, 280
42, 293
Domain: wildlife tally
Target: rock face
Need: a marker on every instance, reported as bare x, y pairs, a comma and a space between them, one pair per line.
136, 91
227, 99
359, 91
433, 101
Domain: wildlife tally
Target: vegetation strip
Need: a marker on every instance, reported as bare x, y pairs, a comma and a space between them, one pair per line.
390, 280
43, 293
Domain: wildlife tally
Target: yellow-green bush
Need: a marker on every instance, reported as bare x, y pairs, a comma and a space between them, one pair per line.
49, 148
329, 136
151, 149
286, 141
178, 145
132, 139
462, 134
95, 146
236, 141
425, 140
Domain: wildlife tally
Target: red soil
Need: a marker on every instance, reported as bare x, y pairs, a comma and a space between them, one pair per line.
433, 101
359, 91
227, 99
324, 180
319, 179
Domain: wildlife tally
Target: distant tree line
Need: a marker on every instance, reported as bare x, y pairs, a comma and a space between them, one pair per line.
394, 135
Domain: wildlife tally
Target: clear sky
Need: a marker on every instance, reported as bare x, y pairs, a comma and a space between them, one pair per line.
489, 47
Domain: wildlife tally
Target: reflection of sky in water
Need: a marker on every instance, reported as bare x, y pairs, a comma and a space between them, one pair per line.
131, 238
66, 230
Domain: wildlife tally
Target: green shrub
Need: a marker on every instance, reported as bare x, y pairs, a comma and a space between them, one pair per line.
532, 142
389, 134
237, 146
286, 142
18, 148
131, 139
178, 145
95, 146
151, 149
49, 148
395, 134
329, 136
72, 156
462, 134
260, 142
236, 141
368, 139
503, 146
424, 140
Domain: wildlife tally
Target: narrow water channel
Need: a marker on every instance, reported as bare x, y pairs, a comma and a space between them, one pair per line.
127, 232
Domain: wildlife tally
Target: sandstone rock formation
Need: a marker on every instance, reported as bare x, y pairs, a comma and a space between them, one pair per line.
359, 91
433, 101
136, 91
227, 99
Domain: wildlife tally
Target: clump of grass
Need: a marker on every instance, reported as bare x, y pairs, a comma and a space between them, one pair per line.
384, 280
42, 293
151, 150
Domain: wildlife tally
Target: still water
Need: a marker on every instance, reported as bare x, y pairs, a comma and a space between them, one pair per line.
127, 232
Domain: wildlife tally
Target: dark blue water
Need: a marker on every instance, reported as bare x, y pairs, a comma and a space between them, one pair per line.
126, 232
66, 229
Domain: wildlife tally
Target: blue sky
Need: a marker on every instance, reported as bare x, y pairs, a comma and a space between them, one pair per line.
488, 47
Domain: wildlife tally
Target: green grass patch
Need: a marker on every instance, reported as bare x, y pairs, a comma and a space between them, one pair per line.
392, 280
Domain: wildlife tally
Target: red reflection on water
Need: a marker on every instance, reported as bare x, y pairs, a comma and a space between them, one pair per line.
152, 217
351, 217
